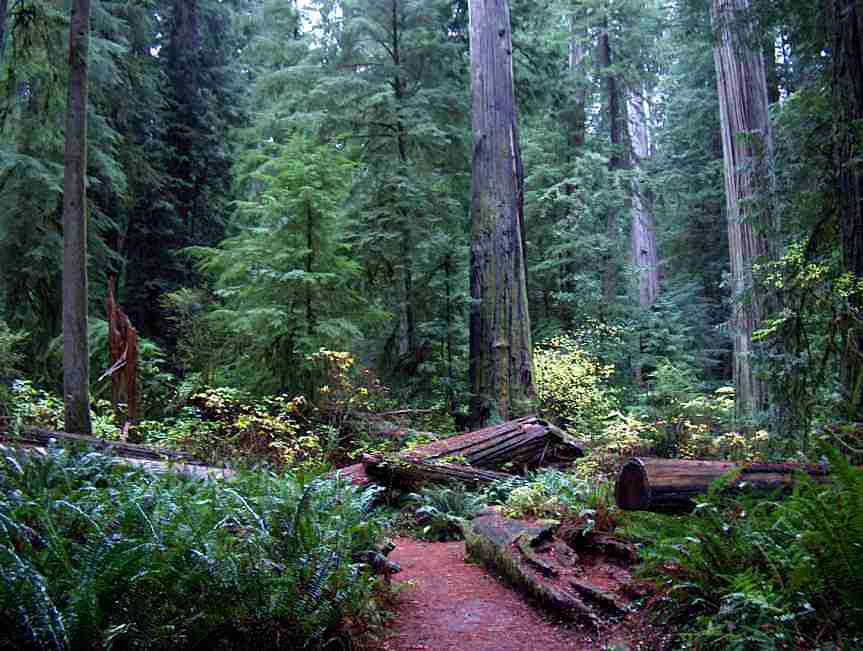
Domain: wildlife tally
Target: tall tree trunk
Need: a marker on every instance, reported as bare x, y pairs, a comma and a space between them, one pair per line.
4, 10
644, 253
76, 354
576, 132
501, 359
609, 275
747, 145
846, 19
408, 339
311, 319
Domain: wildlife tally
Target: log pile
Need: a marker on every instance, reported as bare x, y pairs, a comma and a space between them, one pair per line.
473, 458
645, 484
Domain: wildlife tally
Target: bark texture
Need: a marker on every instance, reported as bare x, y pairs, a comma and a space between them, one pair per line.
76, 355
846, 19
643, 249
501, 359
673, 484
747, 146
123, 355
4, 10
609, 276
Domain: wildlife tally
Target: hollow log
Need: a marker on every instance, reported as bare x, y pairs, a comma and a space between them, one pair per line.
406, 472
672, 484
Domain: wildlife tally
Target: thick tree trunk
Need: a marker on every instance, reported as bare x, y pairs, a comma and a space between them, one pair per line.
673, 484
76, 353
643, 250
846, 19
747, 147
501, 358
609, 274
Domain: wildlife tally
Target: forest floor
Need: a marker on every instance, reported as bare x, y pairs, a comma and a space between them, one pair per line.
448, 604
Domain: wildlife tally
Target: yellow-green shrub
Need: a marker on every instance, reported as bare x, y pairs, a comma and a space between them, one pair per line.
572, 386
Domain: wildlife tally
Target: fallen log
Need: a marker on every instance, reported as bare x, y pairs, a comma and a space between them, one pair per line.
528, 557
408, 472
645, 484
36, 436
526, 441
174, 467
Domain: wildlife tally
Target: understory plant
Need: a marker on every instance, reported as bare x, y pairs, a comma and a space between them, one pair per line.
94, 554
744, 574
442, 509
552, 493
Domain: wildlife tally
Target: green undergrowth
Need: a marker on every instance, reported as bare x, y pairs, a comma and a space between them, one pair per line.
742, 573
94, 554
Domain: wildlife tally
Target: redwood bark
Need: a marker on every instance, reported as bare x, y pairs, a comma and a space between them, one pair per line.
846, 19
408, 472
643, 249
747, 145
501, 358
76, 353
672, 484
609, 277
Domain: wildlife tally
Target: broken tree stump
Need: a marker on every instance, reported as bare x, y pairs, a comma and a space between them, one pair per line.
123, 357
646, 484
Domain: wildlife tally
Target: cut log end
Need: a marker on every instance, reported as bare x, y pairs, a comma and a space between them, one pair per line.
633, 488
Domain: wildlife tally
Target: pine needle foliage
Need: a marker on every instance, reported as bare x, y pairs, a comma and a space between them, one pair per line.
94, 554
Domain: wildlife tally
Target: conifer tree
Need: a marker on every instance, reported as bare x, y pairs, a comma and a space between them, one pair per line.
501, 356
747, 144
76, 355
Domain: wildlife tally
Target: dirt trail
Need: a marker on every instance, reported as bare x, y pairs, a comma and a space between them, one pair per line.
458, 606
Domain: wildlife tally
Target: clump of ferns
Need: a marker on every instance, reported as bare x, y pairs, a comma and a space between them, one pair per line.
94, 554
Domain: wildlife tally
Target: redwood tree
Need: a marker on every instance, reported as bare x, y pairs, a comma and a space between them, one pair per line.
845, 21
747, 145
501, 360
76, 358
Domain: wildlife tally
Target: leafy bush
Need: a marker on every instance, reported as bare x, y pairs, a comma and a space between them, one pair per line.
572, 386
32, 407
223, 422
745, 574
93, 554
551, 493
10, 364
442, 509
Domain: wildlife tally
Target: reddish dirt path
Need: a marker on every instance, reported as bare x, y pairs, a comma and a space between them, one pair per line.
458, 606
